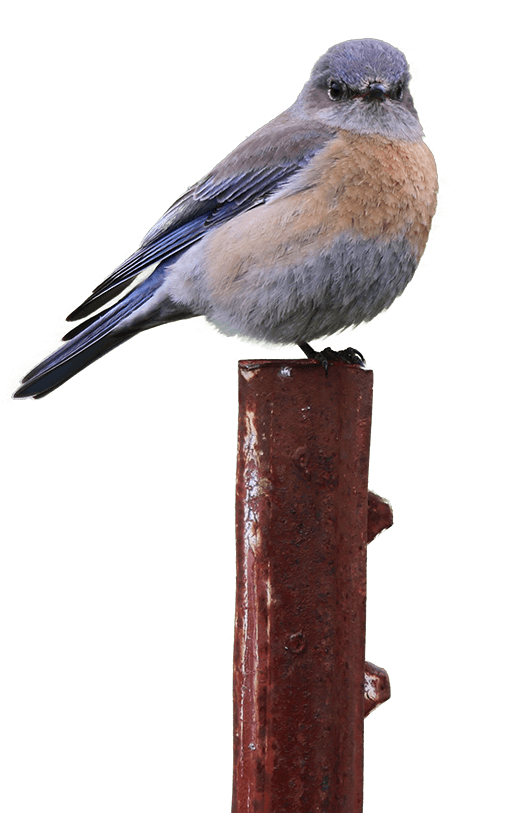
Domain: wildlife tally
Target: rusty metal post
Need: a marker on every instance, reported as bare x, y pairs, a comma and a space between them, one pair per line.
304, 518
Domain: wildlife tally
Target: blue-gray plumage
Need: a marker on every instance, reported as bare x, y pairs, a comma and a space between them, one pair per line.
314, 223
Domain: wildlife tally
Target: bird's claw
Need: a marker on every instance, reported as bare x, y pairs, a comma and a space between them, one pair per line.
323, 357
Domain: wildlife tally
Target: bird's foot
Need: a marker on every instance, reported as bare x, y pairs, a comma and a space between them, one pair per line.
349, 356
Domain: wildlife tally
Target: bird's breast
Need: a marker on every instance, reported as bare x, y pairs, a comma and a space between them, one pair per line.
356, 188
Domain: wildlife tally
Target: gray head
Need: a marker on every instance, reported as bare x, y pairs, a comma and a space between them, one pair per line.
362, 86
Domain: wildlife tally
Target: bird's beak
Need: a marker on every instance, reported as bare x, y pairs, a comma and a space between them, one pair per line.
376, 91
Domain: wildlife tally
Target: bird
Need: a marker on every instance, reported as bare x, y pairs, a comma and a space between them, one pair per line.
314, 223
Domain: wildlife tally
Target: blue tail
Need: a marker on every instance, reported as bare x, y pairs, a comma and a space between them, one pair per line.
95, 337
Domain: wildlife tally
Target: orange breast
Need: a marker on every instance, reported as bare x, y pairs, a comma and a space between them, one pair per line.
366, 186
377, 187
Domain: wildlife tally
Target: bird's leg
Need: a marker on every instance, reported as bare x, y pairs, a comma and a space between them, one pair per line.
349, 356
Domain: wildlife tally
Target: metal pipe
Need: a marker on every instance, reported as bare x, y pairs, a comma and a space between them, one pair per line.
303, 526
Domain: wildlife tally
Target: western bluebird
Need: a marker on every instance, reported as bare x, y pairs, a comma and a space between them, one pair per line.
314, 223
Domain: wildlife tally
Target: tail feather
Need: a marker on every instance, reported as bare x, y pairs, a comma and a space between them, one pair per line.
92, 339
39, 385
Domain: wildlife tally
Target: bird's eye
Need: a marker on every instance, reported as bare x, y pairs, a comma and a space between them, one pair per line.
336, 90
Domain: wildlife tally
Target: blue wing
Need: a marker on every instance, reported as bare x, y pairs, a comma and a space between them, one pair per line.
260, 166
